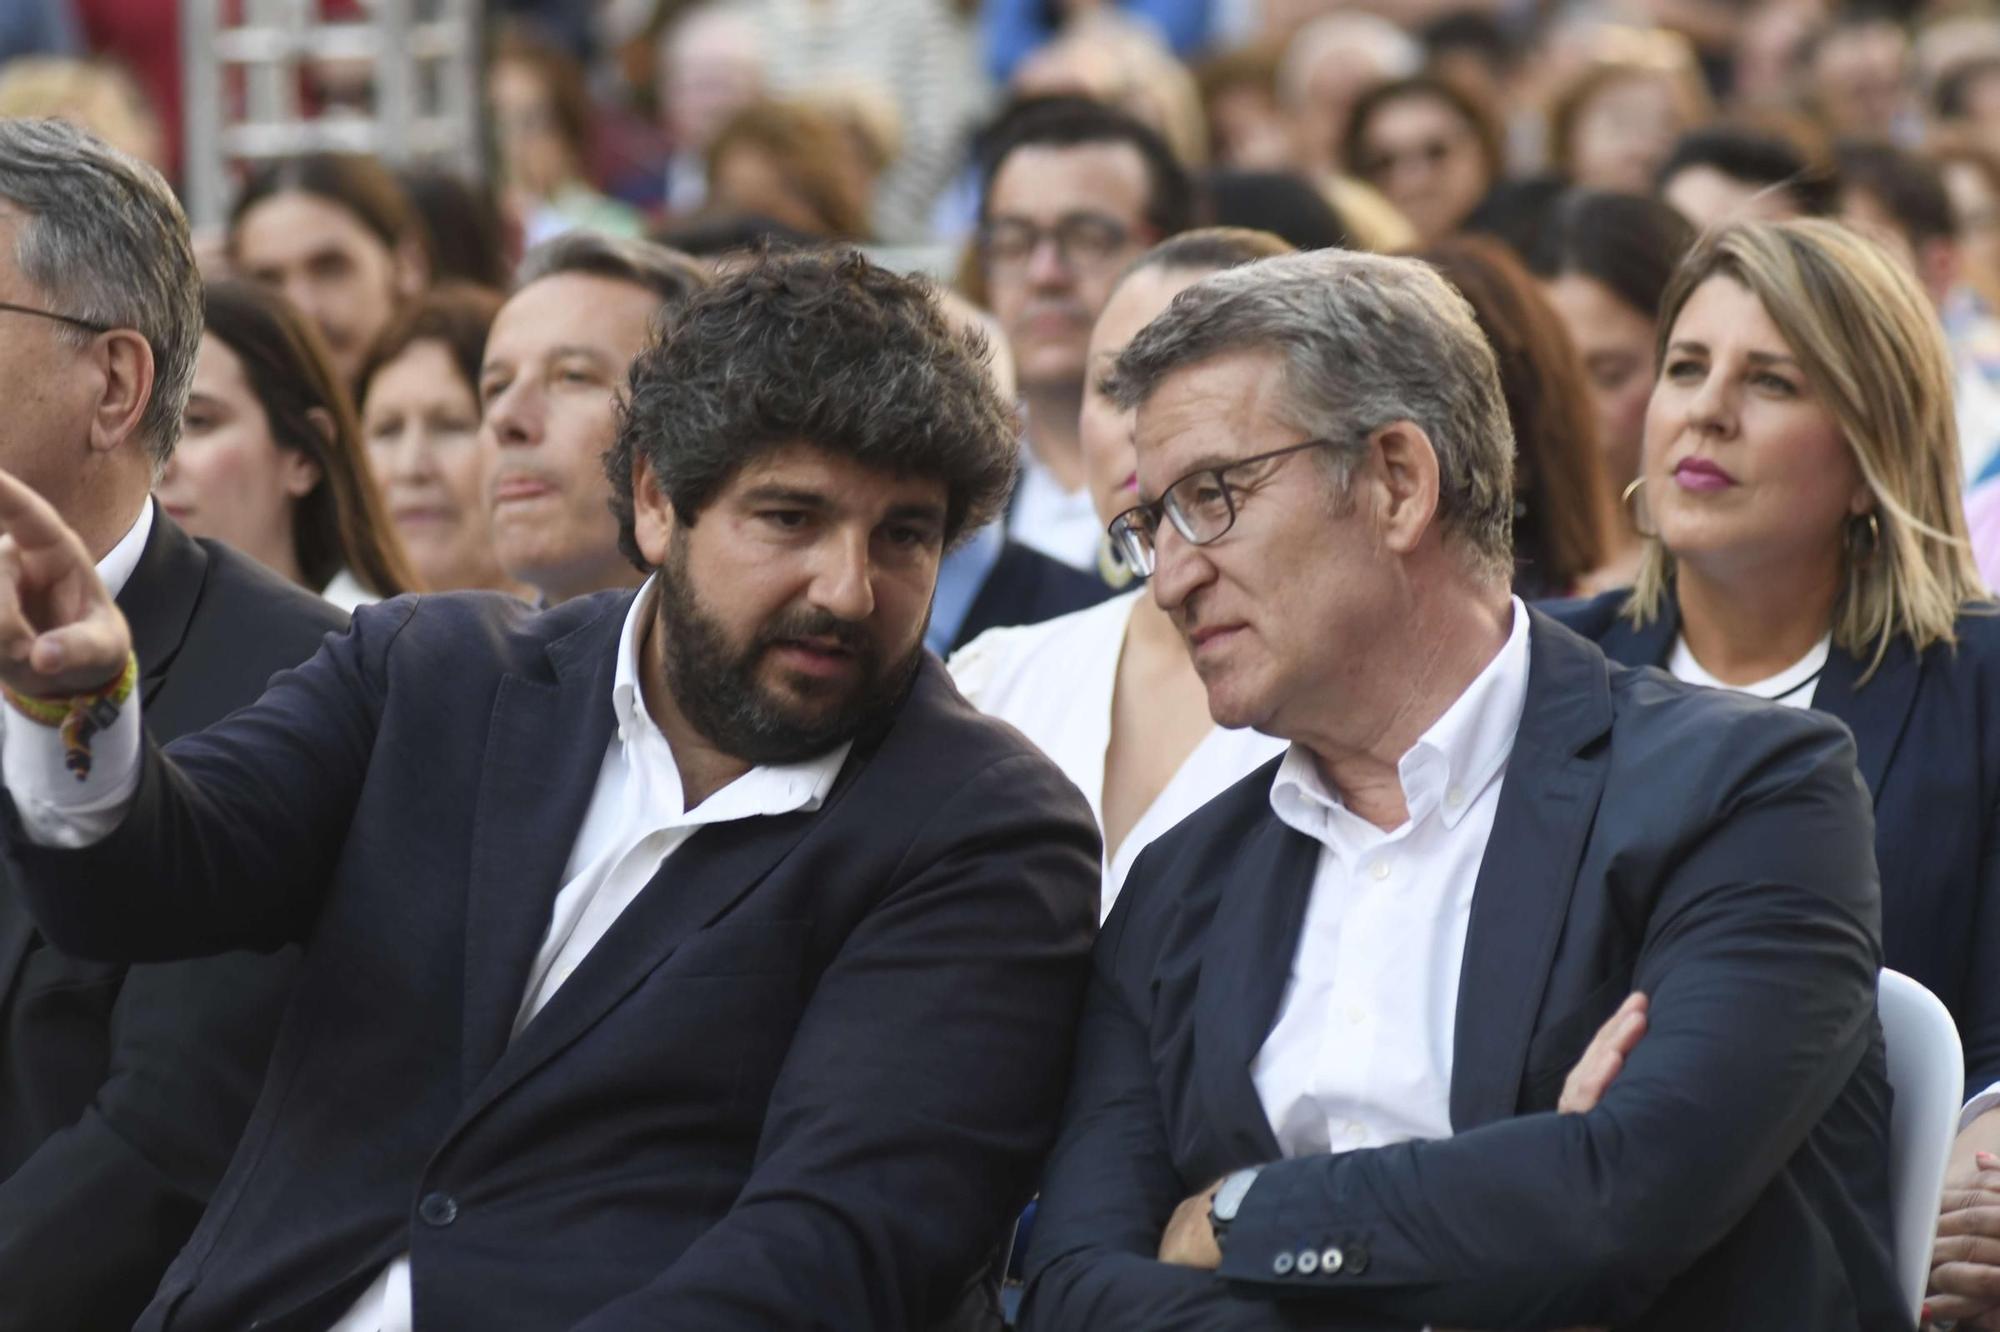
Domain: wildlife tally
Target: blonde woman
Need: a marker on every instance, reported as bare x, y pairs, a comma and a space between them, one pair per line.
1799, 492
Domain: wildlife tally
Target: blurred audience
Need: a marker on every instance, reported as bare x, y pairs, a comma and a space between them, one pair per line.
96, 95
1733, 173
792, 163
270, 458
1328, 65
1247, 126
1605, 260
1073, 192
466, 239
420, 419
1859, 75
1615, 123
1109, 692
712, 65
1432, 148
555, 366
1559, 517
542, 121
1275, 201
335, 233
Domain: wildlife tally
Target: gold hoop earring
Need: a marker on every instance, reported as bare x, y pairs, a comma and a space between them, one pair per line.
1625, 501
1873, 526
1111, 566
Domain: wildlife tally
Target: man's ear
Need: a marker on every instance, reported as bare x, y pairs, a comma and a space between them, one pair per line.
125, 362
653, 518
1409, 471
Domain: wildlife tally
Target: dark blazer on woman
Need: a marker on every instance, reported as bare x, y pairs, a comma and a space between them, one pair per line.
1927, 728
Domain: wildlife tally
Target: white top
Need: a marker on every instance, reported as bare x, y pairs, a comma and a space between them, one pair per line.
1361, 1054
345, 591
1062, 524
635, 821
1793, 687
1053, 682
119, 563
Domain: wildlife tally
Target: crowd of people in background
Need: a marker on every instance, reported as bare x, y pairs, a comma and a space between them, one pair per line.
1709, 248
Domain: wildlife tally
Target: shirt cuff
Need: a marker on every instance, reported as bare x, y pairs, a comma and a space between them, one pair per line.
1978, 1106
55, 808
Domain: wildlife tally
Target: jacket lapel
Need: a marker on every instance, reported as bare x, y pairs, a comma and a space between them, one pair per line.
1253, 937
1548, 801
544, 748
1876, 712
159, 599
710, 872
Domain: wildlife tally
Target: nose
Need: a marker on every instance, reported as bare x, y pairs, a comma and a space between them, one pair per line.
408, 455
1711, 408
516, 414
1180, 569
843, 577
1047, 265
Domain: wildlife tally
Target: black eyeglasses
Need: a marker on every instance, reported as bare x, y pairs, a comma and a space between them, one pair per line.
72, 320
1201, 506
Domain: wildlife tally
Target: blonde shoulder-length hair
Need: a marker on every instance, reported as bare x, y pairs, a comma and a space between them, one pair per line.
1870, 346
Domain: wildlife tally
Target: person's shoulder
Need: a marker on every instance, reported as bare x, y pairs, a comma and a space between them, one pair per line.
1591, 617
237, 587
999, 659
492, 626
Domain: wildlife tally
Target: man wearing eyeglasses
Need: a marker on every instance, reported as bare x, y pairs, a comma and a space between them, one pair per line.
1074, 191
123, 1090
1347, 1061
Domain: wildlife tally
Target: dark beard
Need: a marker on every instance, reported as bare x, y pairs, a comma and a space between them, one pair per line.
717, 690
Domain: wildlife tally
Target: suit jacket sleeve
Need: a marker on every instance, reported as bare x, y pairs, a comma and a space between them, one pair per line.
1981, 1026
922, 1085
1760, 957
231, 837
127, 1181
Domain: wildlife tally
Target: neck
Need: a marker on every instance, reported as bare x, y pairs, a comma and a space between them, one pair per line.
105, 503
1444, 636
704, 769
1052, 432
1749, 624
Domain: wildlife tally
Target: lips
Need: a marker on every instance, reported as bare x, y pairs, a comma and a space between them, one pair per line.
815, 657
1211, 636
513, 489
1701, 474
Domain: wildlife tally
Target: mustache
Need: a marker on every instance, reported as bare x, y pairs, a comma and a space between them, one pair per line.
820, 624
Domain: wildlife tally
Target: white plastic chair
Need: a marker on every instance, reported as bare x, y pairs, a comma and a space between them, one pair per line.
1927, 1072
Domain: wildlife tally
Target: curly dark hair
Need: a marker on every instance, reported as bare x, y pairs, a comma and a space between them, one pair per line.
825, 347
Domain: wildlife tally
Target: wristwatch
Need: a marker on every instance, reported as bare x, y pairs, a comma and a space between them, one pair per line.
1228, 1199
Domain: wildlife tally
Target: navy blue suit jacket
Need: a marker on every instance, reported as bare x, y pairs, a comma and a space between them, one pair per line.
802, 1082
1706, 849
1927, 736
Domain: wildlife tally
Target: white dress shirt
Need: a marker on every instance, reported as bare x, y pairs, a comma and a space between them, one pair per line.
1361, 1054
635, 821
1792, 687
1062, 524
1054, 682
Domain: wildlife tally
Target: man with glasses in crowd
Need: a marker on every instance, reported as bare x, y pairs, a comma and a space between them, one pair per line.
1073, 192
123, 1090
1333, 1010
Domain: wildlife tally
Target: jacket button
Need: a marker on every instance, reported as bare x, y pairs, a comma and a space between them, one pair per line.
1282, 1264
1330, 1260
438, 1209
1357, 1259
1308, 1262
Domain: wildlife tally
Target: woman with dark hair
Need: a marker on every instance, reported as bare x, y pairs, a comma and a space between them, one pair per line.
1431, 147
336, 234
270, 458
465, 236
420, 417
1604, 261
1558, 511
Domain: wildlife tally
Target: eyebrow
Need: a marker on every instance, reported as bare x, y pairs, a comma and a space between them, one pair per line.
776, 493
1756, 357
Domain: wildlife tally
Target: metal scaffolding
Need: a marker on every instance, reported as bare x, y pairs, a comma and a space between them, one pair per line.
249, 67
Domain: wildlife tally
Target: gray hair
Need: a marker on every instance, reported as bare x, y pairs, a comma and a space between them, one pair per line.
1366, 341
103, 239
667, 273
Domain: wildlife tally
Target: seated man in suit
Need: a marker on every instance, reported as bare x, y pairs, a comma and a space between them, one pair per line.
122, 1090
1333, 1011
689, 958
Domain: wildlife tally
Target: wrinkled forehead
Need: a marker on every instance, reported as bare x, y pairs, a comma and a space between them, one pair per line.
610, 317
